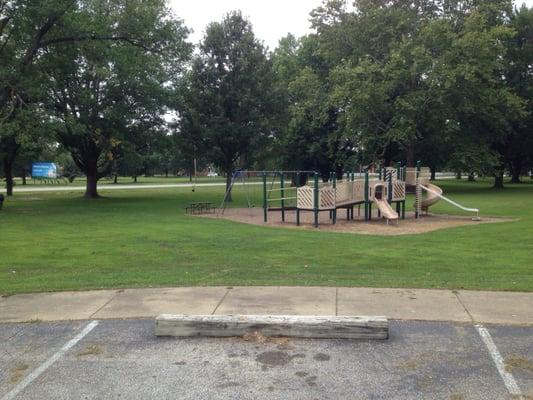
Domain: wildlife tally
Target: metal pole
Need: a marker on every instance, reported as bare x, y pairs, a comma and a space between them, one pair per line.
315, 200
265, 202
334, 176
297, 209
282, 191
194, 185
367, 217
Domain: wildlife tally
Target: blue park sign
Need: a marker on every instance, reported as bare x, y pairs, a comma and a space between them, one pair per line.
44, 170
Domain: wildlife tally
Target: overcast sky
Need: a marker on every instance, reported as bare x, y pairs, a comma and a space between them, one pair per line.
271, 19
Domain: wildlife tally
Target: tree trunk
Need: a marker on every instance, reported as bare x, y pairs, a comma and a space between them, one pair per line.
135, 179
339, 171
498, 179
91, 190
433, 172
410, 154
324, 174
458, 175
166, 172
498, 182
515, 177
516, 170
471, 177
115, 179
228, 185
8, 172
24, 176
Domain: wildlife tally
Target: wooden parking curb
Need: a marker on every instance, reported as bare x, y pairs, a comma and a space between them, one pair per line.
319, 327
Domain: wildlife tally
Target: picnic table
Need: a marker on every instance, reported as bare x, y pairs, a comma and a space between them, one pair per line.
200, 207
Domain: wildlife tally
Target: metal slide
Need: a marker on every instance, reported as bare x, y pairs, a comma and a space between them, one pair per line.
386, 210
435, 193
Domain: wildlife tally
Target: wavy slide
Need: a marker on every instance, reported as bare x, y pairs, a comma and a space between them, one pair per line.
434, 194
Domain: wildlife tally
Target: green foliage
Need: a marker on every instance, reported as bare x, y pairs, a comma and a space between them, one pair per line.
417, 80
101, 69
228, 100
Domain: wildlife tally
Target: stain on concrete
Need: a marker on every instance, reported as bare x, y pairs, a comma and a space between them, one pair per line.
235, 355
409, 365
273, 358
270, 359
90, 350
228, 385
425, 381
311, 381
321, 357
514, 363
301, 374
17, 372
180, 363
457, 396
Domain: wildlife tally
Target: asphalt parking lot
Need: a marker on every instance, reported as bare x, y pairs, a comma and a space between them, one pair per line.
122, 359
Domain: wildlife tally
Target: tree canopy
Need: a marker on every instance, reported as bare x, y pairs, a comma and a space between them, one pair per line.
447, 82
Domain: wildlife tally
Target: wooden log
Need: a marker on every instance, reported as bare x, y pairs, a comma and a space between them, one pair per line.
323, 327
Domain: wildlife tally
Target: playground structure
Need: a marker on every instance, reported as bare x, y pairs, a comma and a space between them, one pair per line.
354, 190
303, 191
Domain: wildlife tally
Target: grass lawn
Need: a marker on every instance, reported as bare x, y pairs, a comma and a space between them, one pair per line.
61, 241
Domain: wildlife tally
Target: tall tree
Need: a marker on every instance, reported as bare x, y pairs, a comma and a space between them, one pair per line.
519, 77
103, 92
27, 29
229, 100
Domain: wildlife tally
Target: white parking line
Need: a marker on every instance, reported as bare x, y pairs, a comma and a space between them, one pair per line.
44, 366
507, 377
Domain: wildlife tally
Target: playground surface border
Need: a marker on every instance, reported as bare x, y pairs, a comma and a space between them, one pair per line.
377, 226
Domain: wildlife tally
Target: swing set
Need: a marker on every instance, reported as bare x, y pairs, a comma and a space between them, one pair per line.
278, 189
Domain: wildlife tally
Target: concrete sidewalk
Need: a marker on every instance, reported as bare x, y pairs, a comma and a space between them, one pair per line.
400, 304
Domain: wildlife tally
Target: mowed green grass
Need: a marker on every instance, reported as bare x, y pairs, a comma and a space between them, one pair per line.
142, 238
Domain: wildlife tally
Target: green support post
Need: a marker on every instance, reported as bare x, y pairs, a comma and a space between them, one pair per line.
334, 183
297, 209
315, 199
389, 188
367, 216
418, 191
282, 192
265, 202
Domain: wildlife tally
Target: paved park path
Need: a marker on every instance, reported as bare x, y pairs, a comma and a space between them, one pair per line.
509, 308
110, 186
104, 187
